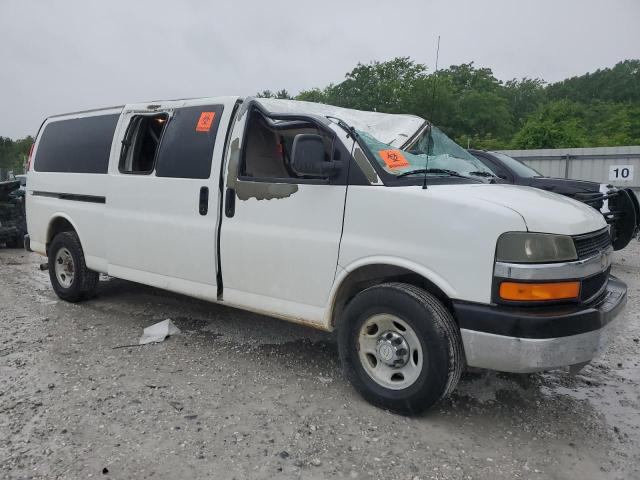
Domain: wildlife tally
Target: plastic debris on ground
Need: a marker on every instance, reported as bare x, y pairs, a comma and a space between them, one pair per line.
158, 332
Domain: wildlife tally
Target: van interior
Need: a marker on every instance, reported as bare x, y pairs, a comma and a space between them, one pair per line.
141, 142
268, 146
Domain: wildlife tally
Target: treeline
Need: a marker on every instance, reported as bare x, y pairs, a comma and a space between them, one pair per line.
475, 108
13, 153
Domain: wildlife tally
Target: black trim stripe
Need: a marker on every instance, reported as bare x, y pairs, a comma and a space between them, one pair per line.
72, 196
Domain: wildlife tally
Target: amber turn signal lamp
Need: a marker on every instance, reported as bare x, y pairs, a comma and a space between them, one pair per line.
535, 292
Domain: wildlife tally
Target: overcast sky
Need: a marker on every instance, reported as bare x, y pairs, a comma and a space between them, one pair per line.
59, 56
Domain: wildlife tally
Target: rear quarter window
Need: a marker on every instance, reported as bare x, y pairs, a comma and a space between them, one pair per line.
77, 145
187, 144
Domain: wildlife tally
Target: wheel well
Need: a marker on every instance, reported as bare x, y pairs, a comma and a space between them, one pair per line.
369, 275
58, 225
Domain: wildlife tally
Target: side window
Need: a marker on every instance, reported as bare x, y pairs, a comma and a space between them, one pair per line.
187, 145
78, 145
267, 149
141, 143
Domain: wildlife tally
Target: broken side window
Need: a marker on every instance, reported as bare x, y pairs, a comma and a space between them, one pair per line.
268, 147
141, 143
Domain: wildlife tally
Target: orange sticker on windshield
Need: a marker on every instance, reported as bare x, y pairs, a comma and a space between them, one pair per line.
393, 158
205, 121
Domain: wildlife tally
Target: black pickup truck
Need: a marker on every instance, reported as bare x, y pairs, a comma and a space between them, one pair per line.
618, 205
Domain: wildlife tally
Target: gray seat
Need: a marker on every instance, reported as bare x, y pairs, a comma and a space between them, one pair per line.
263, 158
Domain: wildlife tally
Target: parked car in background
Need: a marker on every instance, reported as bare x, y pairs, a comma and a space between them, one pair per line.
618, 205
375, 225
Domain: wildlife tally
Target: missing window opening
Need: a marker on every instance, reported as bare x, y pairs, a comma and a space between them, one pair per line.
141, 142
268, 146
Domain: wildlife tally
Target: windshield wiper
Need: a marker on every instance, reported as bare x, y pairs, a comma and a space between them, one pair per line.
482, 174
451, 173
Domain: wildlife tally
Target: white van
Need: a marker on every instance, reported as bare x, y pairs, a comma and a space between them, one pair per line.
374, 225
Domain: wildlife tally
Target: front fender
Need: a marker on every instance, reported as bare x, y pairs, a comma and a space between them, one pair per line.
343, 274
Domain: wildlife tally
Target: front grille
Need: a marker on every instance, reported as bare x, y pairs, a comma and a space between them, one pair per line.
592, 285
590, 244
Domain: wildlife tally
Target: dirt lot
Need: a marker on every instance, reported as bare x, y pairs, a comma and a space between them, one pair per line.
238, 395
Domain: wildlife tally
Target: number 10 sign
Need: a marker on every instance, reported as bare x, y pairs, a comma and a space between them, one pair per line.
621, 173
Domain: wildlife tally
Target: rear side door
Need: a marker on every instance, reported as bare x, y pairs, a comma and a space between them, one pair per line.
163, 194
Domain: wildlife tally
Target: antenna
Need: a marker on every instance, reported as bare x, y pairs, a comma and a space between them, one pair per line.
433, 100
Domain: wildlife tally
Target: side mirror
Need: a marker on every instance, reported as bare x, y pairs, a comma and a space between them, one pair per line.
308, 157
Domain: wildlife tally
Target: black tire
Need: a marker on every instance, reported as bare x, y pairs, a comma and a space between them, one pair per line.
85, 281
436, 330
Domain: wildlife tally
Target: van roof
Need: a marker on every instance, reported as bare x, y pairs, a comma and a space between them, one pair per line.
390, 128
393, 129
92, 110
134, 105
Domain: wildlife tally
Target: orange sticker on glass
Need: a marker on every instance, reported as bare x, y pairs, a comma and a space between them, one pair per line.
393, 158
205, 121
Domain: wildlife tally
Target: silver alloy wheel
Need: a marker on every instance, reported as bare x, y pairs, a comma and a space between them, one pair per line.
64, 268
390, 351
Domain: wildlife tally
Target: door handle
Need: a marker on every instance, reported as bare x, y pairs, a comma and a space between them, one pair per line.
230, 202
204, 200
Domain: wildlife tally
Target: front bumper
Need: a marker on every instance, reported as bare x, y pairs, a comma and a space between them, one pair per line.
531, 340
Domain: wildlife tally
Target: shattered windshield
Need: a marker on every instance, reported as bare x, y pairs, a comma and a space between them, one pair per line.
432, 150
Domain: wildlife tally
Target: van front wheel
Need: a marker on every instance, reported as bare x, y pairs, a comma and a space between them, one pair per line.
400, 347
70, 278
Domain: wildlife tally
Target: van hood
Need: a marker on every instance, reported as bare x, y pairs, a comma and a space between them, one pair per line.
542, 211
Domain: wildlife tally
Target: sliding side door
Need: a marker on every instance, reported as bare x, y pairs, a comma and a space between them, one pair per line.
163, 197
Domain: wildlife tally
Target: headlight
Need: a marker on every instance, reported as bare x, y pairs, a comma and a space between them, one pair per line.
524, 247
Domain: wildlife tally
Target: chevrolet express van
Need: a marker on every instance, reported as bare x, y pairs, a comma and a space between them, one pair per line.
377, 226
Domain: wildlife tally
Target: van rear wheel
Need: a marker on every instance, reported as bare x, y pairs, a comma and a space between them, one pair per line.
70, 278
400, 347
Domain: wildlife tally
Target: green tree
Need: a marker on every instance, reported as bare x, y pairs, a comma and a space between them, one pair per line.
13, 154
469, 104
524, 97
620, 83
314, 95
466, 78
379, 86
484, 113
556, 125
611, 124
281, 94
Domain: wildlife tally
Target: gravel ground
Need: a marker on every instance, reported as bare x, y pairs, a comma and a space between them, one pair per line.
238, 395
